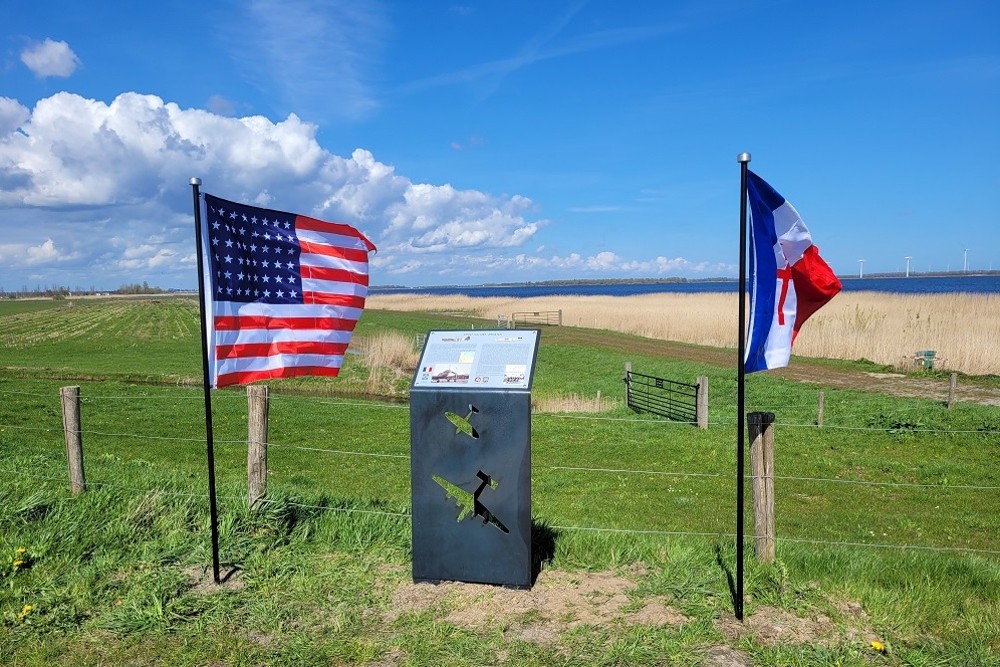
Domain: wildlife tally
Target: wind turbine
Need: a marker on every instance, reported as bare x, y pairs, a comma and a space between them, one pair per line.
907, 258
861, 271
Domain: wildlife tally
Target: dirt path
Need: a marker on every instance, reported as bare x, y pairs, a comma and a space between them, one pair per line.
800, 370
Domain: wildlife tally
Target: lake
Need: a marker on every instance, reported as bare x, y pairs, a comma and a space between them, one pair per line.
978, 284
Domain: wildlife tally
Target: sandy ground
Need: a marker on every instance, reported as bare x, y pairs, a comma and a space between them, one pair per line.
561, 602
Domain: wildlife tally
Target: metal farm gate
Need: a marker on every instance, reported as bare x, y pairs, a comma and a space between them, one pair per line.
549, 317
659, 396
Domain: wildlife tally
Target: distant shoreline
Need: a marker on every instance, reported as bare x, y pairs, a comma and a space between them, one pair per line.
675, 280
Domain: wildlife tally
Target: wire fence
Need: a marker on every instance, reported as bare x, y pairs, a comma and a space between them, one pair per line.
127, 436
718, 535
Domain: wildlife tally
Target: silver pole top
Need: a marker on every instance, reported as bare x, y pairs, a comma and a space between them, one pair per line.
195, 181
743, 157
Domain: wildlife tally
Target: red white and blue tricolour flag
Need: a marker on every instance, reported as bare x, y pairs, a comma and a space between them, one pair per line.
789, 280
283, 292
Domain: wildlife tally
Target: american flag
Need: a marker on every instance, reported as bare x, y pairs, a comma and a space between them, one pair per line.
284, 292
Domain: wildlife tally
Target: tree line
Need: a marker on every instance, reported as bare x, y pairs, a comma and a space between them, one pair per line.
62, 291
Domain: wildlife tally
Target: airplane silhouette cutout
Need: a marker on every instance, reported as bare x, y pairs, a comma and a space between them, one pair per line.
469, 502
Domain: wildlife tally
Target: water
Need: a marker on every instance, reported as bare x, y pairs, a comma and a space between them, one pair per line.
976, 284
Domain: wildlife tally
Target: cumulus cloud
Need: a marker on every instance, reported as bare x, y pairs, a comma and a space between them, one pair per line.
122, 169
50, 58
603, 260
101, 190
12, 115
45, 252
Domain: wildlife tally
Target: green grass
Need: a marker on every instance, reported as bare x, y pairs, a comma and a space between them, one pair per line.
116, 575
16, 306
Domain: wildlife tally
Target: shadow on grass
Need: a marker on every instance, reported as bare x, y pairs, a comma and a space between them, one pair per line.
543, 546
730, 579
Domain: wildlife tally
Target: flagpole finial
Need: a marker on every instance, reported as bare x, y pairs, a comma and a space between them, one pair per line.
195, 181
743, 157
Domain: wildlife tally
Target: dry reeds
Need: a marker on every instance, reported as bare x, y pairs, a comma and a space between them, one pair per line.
886, 328
388, 356
574, 403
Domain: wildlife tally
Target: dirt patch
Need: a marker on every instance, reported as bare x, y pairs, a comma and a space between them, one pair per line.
656, 614
201, 580
772, 626
724, 656
559, 601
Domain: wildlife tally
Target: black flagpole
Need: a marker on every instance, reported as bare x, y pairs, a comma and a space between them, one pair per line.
213, 510
743, 159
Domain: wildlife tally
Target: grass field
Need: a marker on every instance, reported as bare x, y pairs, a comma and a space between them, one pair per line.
887, 517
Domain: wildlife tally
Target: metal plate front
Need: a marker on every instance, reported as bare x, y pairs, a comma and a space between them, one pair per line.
470, 454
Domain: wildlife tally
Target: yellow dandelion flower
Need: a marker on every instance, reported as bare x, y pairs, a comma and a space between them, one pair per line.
18, 563
24, 612
20, 551
878, 646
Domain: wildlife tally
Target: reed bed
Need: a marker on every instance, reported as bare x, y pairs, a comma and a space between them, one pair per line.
886, 328
388, 356
574, 403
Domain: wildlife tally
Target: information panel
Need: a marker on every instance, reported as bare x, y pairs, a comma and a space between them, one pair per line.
478, 359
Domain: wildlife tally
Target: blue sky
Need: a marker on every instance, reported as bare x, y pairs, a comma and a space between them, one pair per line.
498, 141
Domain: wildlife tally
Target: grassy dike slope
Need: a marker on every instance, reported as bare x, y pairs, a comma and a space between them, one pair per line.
887, 517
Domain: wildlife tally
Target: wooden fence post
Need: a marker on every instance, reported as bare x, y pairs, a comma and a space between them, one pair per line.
257, 409
819, 410
701, 402
760, 430
597, 402
952, 385
70, 398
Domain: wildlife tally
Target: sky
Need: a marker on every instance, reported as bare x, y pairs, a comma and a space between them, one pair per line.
498, 141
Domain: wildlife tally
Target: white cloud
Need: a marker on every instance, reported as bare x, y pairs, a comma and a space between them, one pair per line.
12, 115
119, 171
23, 255
43, 253
50, 58
147, 257
98, 193
603, 260
437, 218
605, 264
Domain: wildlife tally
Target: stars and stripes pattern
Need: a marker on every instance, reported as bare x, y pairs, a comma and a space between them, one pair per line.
284, 292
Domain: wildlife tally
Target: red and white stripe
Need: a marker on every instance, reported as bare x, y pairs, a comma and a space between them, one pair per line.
255, 341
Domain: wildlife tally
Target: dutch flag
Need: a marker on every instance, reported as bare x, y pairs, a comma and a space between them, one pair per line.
789, 280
